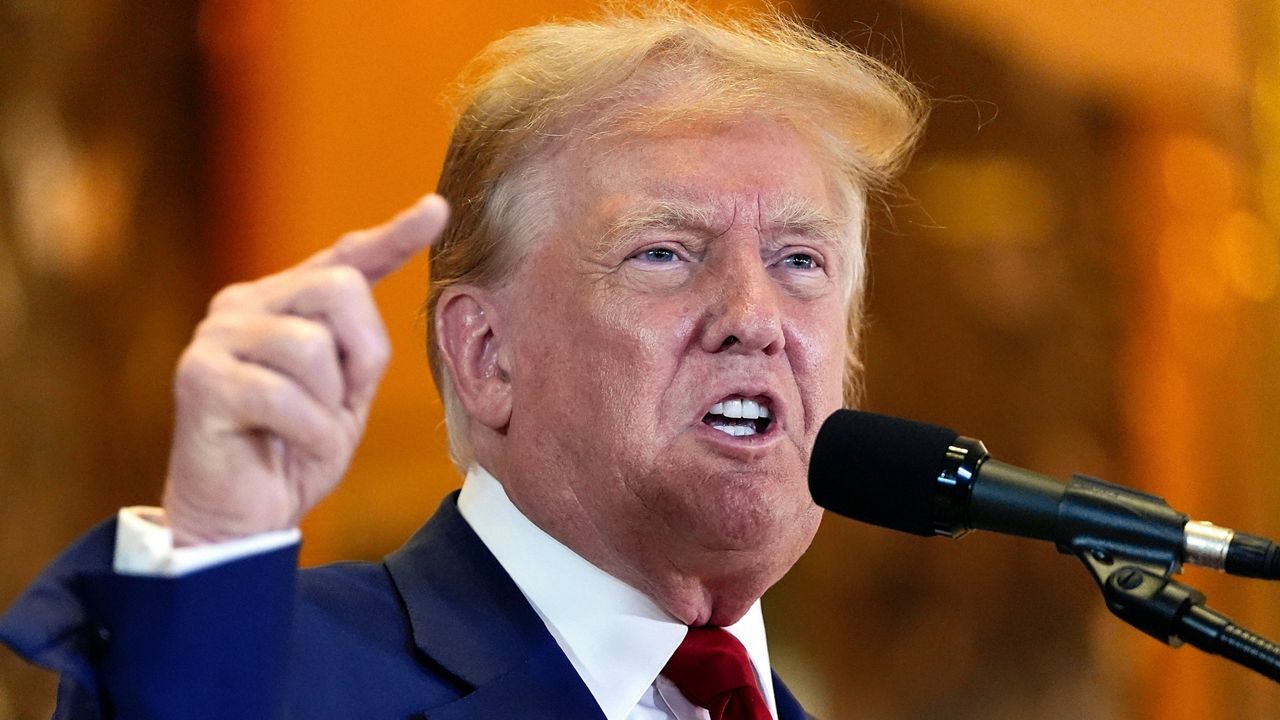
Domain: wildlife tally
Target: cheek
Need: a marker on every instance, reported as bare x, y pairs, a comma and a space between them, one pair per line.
817, 346
603, 357
820, 334
642, 332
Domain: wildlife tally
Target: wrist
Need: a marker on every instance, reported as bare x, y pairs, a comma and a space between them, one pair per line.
145, 545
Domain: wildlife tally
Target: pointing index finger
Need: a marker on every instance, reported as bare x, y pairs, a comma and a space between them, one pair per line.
377, 251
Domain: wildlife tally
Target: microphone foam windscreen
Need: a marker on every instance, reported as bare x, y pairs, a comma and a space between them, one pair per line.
879, 469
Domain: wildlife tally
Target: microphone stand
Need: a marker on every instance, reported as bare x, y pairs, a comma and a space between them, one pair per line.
1136, 582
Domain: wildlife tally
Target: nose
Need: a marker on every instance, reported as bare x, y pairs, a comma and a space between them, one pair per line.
744, 315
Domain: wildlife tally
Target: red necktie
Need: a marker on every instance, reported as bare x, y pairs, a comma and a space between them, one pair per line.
712, 671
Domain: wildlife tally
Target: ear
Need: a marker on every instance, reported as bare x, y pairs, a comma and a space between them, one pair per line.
472, 349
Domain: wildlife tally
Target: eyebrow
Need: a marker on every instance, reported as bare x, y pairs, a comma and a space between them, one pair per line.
793, 216
801, 218
660, 215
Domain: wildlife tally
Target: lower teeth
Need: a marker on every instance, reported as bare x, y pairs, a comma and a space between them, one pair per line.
735, 430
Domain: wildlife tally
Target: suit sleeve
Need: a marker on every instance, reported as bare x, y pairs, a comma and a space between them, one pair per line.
213, 644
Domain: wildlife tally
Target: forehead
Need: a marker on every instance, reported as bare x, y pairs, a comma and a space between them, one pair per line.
752, 168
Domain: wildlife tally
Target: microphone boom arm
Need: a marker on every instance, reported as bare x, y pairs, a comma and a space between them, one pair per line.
1131, 542
1137, 585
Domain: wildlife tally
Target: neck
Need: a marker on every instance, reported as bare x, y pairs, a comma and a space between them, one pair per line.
701, 570
697, 599
694, 584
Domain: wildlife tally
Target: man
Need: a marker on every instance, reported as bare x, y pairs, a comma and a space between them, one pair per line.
642, 309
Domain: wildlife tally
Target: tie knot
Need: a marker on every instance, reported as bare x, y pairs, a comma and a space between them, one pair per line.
712, 670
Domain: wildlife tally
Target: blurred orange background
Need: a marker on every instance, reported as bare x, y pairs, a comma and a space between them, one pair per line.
1083, 272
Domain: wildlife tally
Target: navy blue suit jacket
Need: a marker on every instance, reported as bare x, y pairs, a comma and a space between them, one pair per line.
437, 631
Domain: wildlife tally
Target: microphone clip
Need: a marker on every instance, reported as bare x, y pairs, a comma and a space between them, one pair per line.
1137, 584
1112, 522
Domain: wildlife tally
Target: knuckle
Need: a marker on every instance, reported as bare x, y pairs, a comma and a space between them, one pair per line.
372, 356
379, 348
313, 342
232, 296
195, 373
213, 325
346, 280
265, 398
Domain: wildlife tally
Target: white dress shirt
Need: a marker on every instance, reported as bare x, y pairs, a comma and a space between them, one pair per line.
615, 636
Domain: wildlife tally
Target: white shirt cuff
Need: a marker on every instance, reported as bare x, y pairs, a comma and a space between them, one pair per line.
144, 546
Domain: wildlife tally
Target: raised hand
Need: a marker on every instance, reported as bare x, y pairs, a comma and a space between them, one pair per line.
274, 390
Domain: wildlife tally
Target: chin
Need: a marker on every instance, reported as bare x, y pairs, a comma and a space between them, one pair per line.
748, 516
765, 551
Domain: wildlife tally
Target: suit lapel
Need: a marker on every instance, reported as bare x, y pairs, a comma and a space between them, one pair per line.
469, 618
538, 688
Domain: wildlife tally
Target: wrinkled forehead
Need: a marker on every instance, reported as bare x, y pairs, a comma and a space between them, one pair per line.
748, 167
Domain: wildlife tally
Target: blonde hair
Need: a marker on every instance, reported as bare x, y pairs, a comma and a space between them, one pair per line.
636, 70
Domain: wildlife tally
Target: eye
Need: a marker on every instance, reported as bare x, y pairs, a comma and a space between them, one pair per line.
657, 255
801, 261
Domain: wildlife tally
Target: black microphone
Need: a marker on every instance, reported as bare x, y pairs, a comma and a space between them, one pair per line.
929, 480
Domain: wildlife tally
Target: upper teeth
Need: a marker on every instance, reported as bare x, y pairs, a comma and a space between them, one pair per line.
740, 408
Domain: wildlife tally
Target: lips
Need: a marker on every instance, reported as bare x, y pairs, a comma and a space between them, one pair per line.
740, 416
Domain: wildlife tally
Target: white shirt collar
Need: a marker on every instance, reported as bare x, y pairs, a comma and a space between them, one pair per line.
616, 637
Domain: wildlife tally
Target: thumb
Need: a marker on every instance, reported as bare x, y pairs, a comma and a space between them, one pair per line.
377, 251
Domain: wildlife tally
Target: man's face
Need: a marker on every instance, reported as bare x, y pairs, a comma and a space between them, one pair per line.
688, 278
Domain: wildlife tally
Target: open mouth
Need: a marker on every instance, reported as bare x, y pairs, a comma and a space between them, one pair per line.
739, 416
